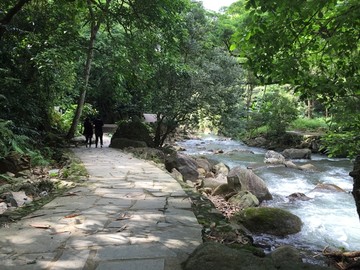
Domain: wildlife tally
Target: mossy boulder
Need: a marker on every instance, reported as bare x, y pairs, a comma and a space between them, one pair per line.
211, 255
268, 220
135, 131
122, 143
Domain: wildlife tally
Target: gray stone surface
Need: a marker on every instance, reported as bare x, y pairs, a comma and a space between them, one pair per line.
129, 215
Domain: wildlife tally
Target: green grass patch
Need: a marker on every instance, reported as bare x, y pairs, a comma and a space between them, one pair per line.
307, 124
258, 132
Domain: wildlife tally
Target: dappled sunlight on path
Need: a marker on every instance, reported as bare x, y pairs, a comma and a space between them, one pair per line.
128, 215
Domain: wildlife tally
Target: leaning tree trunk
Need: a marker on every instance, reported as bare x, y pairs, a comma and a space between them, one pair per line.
356, 188
95, 25
81, 100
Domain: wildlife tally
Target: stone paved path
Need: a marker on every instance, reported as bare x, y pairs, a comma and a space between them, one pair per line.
131, 216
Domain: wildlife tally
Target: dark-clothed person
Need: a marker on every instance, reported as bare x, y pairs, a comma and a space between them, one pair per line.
98, 132
88, 132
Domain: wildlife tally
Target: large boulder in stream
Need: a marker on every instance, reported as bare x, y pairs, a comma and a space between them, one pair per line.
268, 220
272, 157
326, 187
293, 153
242, 179
212, 255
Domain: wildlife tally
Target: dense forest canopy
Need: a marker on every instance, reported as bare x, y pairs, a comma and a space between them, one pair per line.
231, 72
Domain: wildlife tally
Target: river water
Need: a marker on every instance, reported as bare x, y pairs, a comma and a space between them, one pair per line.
330, 218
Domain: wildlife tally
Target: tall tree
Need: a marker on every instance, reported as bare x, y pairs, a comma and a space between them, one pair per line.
37, 61
96, 19
131, 15
312, 45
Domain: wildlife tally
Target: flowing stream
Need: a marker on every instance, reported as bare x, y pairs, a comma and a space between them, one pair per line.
329, 217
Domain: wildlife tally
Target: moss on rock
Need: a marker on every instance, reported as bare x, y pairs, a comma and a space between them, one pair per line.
268, 220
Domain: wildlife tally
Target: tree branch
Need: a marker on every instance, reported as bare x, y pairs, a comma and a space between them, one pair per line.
9, 16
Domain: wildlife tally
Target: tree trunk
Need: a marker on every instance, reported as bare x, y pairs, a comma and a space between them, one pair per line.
310, 108
87, 69
249, 93
356, 187
95, 26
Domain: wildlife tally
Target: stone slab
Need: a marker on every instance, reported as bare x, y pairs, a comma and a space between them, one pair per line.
145, 251
71, 259
148, 264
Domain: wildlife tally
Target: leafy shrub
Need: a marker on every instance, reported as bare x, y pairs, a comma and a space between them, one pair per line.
9, 141
63, 120
309, 124
275, 110
343, 139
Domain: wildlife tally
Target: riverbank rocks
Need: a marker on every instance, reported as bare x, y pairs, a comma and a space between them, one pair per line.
186, 165
325, 187
272, 157
244, 199
220, 168
204, 164
211, 255
308, 168
293, 153
222, 190
211, 183
268, 220
242, 179
298, 196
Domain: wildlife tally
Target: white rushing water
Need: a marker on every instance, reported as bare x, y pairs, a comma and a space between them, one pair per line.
329, 217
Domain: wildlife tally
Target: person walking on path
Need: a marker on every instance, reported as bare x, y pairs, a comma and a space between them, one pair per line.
88, 131
98, 131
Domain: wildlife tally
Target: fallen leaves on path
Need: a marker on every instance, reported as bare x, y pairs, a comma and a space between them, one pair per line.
41, 226
73, 215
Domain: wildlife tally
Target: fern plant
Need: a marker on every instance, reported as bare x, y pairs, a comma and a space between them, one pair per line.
9, 141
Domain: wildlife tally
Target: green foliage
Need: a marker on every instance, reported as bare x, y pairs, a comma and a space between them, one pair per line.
309, 124
62, 121
344, 144
312, 45
343, 137
37, 158
9, 141
37, 60
22, 144
274, 109
260, 131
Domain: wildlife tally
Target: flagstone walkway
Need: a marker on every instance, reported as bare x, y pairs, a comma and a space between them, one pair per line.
130, 216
